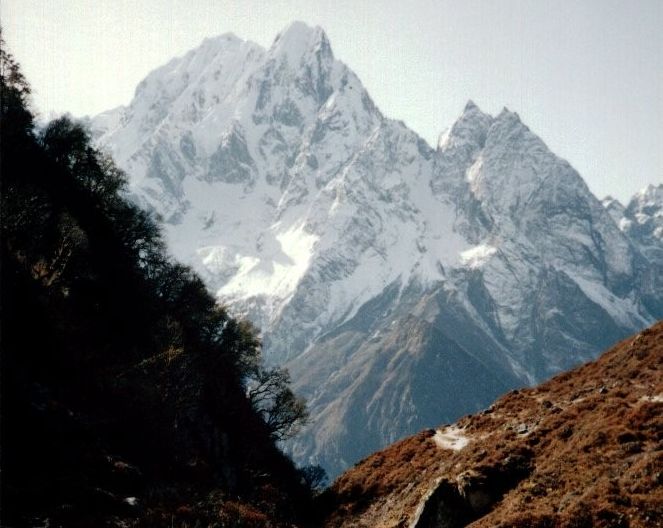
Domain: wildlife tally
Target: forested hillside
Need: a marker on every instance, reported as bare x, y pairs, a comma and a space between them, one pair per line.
128, 395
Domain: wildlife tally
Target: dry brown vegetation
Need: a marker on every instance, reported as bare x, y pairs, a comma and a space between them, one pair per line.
584, 450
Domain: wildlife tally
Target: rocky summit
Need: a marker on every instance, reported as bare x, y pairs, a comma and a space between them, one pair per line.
402, 284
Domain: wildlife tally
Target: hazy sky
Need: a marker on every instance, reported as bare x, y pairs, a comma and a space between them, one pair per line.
587, 76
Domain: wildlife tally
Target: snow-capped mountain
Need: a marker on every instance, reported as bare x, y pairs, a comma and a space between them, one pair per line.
403, 285
642, 220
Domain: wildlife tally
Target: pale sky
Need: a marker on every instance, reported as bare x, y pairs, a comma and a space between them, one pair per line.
587, 76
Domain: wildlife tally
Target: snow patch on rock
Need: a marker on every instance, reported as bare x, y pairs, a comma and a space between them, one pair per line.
477, 256
451, 437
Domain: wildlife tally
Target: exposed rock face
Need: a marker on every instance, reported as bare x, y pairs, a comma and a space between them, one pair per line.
402, 285
584, 449
642, 221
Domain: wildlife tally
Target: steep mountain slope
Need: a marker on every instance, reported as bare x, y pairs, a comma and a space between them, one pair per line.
642, 223
582, 450
386, 274
123, 383
547, 283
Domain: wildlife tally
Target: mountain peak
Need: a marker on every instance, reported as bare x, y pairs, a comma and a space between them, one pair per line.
610, 201
211, 46
298, 39
470, 106
471, 126
224, 37
647, 203
507, 115
299, 28
652, 193
614, 207
643, 221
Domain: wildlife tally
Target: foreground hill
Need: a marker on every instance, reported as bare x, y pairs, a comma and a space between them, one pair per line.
123, 384
582, 450
387, 273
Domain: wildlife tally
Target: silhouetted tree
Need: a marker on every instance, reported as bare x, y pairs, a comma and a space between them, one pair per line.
269, 392
315, 477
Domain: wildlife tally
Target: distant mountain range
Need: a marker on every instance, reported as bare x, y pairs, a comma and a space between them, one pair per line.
402, 285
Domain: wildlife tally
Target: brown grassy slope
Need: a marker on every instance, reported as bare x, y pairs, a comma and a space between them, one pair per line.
582, 450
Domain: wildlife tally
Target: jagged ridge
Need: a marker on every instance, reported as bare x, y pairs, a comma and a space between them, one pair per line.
388, 274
